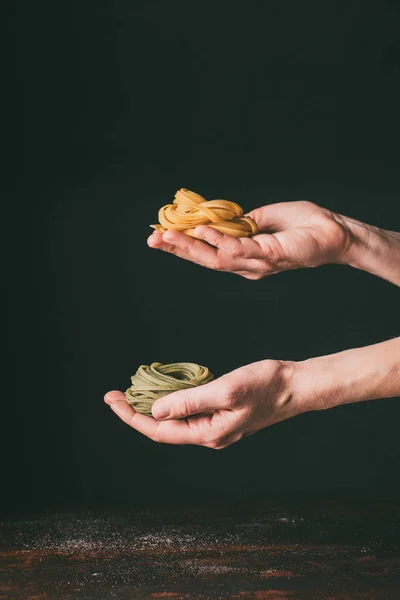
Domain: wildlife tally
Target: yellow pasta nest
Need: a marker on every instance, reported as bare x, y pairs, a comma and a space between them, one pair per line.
190, 210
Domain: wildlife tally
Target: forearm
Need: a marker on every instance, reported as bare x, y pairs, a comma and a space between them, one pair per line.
372, 249
351, 376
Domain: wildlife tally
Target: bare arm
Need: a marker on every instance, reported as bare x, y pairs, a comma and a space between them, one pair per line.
351, 376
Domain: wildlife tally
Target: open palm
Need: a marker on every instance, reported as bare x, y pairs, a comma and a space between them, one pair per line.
291, 235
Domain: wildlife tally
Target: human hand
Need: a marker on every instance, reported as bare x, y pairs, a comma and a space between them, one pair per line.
221, 412
248, 399
291, 235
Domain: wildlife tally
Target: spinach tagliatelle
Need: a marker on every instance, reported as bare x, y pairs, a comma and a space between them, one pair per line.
156, 380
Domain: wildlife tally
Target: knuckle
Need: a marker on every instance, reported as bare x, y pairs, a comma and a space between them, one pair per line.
307, 204
216, 444
273, 251
198, 439
235, 248
214, 240
252, 276
212, 445
217, 265
188, 405
185, 247
236, 253
156, 437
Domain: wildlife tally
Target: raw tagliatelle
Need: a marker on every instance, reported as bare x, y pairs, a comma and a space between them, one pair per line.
190, 210
156, 380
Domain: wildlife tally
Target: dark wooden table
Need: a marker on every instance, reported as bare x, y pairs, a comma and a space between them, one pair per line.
261, 552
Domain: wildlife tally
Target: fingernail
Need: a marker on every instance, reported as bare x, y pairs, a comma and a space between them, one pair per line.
108, 398
160, 410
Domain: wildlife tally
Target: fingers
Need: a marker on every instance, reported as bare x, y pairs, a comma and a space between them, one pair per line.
155, 240
182, 245
117, 403
167, 432
252, 258
200, 253
232, 246
186, 403
217, 430
221, 252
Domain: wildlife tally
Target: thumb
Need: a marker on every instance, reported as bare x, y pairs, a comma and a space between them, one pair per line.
185, 403
274, 217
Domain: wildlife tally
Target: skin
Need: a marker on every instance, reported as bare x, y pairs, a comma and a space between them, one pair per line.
292, 235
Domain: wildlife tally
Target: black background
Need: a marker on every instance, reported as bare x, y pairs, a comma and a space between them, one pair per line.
113, 107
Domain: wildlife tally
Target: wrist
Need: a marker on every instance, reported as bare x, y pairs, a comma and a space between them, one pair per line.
314, 385
370, 249
293, 380
278, 383
355, 237
357, 234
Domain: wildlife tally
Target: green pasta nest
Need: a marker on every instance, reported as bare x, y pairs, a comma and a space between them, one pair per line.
156, 380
